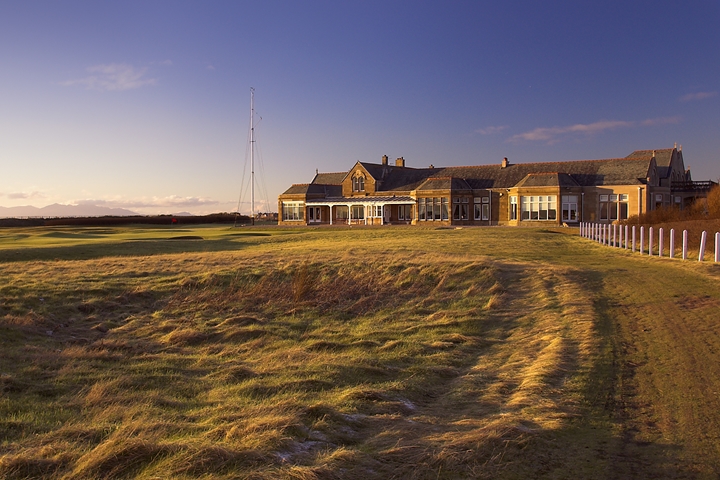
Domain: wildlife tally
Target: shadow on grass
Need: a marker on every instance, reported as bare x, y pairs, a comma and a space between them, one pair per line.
144, 247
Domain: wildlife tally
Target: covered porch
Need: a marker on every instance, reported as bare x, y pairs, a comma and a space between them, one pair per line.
360, 210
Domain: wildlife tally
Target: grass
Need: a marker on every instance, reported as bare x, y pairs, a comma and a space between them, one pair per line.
352, 353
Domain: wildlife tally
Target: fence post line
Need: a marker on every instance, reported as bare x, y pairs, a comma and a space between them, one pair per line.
717, 247
672, 243
620, 236
642, 240
703, 241
633, 238
602, 235
685, 244
651, 233
660, 242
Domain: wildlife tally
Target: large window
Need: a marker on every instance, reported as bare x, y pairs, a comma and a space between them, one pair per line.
293, 211
541, 207
569, 208
341, 212
482, 208
513, 208
613, 207
430, 209
461, 206
357, 212
404, 212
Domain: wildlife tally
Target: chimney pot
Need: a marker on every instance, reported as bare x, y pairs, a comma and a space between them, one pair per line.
504, 163
400, 162
384, 159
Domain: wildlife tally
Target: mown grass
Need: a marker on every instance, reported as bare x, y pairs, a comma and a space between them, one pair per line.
330, 353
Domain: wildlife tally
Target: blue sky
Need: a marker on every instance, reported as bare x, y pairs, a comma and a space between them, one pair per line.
145, 104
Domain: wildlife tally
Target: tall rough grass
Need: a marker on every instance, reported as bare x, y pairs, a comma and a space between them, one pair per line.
364, 360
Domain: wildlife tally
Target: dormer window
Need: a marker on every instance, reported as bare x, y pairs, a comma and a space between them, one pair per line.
358, 183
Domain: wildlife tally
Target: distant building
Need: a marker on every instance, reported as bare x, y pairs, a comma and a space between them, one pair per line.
507, 193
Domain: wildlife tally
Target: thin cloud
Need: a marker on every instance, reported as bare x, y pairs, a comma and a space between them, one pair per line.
651, 122
690, 97
552, 135
492, 130
172, 201
24, 195
113, 77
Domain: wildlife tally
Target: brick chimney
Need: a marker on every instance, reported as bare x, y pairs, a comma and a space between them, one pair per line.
400, 162
504, 163
384, 159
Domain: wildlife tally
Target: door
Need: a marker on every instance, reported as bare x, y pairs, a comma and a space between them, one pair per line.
314, 215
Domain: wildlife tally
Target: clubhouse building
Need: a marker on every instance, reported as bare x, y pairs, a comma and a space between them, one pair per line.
506, 193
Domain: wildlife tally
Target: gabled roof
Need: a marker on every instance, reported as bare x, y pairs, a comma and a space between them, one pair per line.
631, 170
329, 178
547, 179
443, 183
314, 189
663, 158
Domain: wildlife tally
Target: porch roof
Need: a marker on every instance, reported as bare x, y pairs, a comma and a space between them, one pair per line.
391, 200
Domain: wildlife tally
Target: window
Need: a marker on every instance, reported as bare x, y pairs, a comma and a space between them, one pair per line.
358, 212
341, 212
430, 209
293, 211
358, 183
404, 212
513, 208
460, 208
613, 207
482, 208
569, 208
542, 207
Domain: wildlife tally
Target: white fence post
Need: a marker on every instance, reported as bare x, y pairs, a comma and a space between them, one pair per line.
703, 241
633, 238
620, 236
604, 234
614, 236
650, 241
660, 242
685, 244
642, 240
626, 237
672, 243
717, 247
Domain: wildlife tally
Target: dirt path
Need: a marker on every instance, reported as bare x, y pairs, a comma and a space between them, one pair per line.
669, 354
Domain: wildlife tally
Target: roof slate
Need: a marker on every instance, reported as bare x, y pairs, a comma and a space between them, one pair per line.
631, 170
549, 179
329, 178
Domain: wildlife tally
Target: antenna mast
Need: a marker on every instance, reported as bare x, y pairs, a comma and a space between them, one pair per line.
252, 155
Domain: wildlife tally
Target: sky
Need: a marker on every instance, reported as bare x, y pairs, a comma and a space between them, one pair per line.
145, 105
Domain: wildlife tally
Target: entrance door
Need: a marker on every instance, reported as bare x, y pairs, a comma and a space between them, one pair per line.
314, 215
386, 212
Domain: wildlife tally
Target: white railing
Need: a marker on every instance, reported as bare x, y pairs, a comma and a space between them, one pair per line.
624, 236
